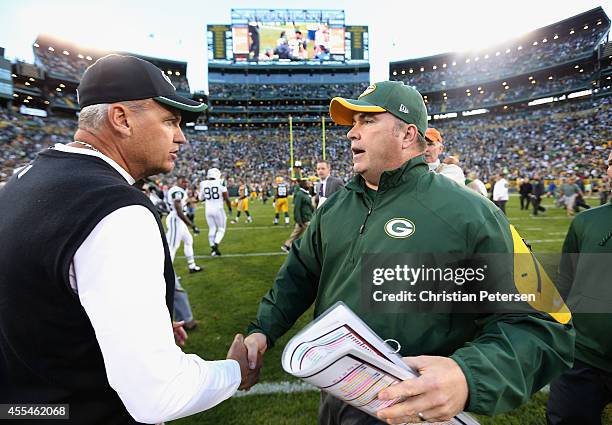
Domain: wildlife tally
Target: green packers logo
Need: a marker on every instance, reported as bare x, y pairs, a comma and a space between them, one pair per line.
399, 228
367, 91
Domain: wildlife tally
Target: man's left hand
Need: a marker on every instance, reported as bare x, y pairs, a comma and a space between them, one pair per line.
438, 394
180, 336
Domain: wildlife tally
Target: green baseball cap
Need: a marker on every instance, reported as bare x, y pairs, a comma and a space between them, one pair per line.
395, 97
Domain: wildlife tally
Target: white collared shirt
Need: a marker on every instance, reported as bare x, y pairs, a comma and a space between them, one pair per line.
117, 273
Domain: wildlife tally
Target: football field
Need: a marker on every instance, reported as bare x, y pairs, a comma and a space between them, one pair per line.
226, 294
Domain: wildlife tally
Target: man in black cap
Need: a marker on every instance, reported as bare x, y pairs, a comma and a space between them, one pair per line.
70, 289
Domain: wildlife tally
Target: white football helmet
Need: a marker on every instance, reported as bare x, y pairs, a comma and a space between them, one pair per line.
213, 173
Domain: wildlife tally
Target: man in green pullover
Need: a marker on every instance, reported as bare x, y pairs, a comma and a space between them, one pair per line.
581, 393
302, 212
483, 363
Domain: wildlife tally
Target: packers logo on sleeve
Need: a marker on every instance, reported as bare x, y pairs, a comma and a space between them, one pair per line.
531, 278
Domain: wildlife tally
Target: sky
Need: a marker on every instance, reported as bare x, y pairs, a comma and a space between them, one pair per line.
177, 29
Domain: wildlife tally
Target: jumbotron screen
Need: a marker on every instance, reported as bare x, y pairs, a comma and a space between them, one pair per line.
268, 35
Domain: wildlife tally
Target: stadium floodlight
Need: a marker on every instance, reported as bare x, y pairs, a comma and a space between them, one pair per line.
579, 94
454, 63
81, 56
581, 70
530, 77
31, 79
586, 27
62, 86
66, 52
504, 83
550, 77
535, 43
507, 50
598, 22
14, 75
467, 60
519, 48
576, 67
555, 37
27, 83
540, 101
404, 71
422, 69
88, 58
571, 31
497, 53
177, 73
443, 65
434, 67
51, 49
479, 88
474, 112
394, 72
37, 45
29, 97
467, 90
46, 102
533, 81
58, 89
15, 95
411, 71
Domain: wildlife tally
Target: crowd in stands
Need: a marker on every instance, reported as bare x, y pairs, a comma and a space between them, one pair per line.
501, 95
64, 99
180, 82
21, 137
553, 140
505, 62
69, 67
285, 91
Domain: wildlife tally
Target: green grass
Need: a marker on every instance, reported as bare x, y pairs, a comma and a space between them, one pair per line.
225, 298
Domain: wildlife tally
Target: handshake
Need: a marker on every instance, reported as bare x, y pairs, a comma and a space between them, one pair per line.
248, 352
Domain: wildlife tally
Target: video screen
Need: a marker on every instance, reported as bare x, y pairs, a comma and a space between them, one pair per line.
311, 39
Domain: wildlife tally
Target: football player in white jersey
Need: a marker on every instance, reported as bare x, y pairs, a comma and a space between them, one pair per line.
213, 193
178, 224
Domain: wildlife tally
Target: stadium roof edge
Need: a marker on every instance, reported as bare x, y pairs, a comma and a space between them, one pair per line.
595, 11
47, 40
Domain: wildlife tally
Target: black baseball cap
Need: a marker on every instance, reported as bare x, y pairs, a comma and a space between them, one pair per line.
115, 78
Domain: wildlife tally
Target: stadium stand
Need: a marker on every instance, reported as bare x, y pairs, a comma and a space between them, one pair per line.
567, 41
247, 123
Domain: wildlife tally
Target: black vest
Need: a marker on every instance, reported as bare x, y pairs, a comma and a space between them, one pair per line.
48, 348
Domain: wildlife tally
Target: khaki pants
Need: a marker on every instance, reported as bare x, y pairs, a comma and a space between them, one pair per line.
298, 230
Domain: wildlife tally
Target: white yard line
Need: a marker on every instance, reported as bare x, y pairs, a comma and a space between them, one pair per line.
250, 254
284, 387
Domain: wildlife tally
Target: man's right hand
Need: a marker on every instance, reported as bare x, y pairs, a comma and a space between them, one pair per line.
256, 345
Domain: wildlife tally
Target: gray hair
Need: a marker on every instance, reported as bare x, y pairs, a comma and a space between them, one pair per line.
93, 117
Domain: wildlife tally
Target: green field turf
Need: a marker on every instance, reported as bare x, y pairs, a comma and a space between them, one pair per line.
225, 298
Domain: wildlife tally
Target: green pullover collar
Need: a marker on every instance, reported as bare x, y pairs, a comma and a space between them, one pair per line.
409, 172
